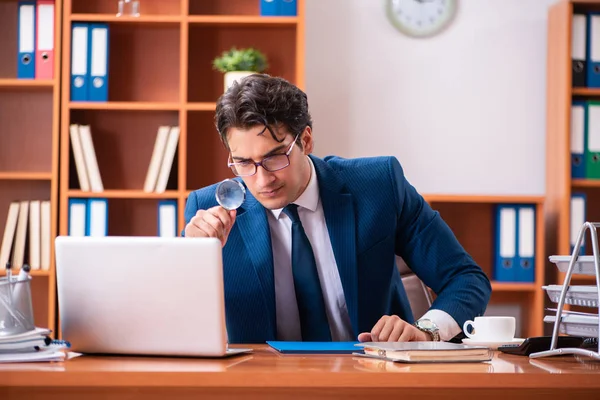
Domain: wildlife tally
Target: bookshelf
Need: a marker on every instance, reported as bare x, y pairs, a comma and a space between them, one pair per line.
29, 144
560, 95
160, 73
472, 219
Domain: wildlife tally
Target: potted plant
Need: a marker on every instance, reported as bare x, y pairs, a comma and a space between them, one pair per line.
239, 63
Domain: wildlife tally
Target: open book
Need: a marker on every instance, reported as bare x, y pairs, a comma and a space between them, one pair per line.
425, 352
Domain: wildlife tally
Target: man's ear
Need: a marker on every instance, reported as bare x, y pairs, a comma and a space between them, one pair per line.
307, 141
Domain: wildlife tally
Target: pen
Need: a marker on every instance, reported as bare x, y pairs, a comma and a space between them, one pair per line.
21, 280
9, 281
8, 272
24, 273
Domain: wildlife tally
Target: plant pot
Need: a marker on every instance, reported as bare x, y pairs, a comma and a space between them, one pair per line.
233, 76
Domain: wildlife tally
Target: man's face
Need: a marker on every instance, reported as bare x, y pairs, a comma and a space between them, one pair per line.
272, 189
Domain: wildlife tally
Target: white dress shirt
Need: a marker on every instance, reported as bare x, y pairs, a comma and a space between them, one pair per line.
310, 211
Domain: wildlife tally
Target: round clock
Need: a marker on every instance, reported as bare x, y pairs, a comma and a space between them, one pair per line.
421, 18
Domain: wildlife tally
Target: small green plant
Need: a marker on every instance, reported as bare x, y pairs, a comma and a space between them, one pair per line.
234, 59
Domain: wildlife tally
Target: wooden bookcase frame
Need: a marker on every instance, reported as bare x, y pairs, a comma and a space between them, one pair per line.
29, 143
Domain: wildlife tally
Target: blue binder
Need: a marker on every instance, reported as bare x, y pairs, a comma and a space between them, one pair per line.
505, 243
593, 55
97, 217
78, 217
26, 40
526, 239
269, 8
579, 129
98, 45
171, 230
287, 8
80, 74
578, 50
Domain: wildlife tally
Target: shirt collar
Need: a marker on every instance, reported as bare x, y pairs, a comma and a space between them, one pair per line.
309, 199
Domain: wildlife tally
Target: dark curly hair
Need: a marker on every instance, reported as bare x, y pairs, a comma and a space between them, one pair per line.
260, 99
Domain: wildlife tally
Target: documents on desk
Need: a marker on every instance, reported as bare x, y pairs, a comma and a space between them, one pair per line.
31, 346
425, 352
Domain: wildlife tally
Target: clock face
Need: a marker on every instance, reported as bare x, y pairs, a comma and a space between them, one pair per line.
421, 18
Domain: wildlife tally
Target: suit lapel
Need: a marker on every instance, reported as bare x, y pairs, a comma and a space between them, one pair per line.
338, 208
255, 231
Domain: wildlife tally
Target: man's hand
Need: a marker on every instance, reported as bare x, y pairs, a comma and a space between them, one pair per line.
393, 329
215, 222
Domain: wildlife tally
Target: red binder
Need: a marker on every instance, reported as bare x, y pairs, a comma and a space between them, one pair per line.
45, 38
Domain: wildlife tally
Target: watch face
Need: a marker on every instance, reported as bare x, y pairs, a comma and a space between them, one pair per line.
426, 324
421, 18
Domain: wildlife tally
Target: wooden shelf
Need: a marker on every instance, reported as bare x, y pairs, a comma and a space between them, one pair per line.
26, 176
514, 286
579, 91
236, 20
583, 183
206, 106
142, 19
36, 272
442, 198
125, 194
125, 106
26, 83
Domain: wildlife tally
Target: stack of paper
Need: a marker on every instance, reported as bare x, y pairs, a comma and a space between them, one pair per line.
31, 346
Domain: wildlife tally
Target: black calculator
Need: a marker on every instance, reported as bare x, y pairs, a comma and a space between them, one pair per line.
541, 343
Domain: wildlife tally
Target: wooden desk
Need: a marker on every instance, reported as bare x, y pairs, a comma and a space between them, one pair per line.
266, 374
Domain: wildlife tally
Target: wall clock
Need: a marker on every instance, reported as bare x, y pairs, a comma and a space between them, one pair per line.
421, 18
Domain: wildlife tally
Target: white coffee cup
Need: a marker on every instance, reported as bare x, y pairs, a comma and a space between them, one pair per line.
491, 329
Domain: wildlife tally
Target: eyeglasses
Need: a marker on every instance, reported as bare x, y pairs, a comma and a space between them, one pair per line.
271, 163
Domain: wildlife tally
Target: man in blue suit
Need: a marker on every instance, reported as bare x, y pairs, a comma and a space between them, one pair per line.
310, 255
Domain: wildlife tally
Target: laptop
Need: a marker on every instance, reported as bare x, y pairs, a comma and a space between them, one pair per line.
142, 296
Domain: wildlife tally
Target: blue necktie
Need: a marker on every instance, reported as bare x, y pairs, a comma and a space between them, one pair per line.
311, 306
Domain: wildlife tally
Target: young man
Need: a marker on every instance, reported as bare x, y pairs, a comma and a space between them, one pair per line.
310, 255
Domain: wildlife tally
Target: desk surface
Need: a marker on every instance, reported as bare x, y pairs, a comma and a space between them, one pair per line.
266, 373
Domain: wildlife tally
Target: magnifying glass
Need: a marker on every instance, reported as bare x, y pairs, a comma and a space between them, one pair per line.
230, 194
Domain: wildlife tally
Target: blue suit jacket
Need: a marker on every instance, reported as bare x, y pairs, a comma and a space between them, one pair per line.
372, 214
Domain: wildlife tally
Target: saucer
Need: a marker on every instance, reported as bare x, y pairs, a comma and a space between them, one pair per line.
491, 345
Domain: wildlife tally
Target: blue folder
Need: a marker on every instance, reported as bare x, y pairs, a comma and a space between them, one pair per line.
579, 111
26, 44
593, 61
315, 347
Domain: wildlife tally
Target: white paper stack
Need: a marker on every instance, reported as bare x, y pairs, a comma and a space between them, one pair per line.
31, 346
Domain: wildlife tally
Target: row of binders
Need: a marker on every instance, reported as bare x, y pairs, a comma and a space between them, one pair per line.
515, 243
585, 50
35, 39
272, 8
89, 61
89, 217
159, 169
585, 139
27, 228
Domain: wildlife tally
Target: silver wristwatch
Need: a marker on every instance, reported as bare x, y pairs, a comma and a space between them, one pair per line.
430, 327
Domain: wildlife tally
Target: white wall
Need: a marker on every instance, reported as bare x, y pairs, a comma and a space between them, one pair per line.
463, 111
